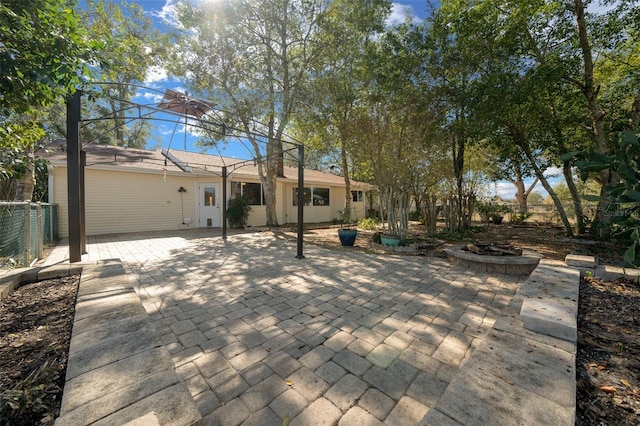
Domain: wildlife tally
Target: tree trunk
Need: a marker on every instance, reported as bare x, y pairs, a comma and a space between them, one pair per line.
430, 213
575, 196
345, 172
470, 202
269, 183
27, 182
458, 168
269, 187
634, 120
24, 187
543, 180
117, 121
591, 92
522, 193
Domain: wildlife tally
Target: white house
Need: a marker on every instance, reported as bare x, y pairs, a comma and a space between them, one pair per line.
132, 190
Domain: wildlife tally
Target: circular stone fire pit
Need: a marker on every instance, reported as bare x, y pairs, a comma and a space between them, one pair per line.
496, 264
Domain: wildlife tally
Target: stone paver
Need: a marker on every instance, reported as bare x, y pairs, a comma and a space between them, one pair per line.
339, 337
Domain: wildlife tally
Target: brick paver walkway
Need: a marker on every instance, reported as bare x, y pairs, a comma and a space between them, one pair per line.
337, 338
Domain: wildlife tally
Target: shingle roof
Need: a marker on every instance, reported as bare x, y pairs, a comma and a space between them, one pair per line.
110, 155
181, 161
204, 162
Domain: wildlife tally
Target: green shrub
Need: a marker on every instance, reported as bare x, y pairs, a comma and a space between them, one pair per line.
491, 210
25, 404
238, 211
623, 196
519, 218
368, 223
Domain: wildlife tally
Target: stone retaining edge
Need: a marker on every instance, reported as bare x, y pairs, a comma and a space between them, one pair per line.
111, 379
17, 277
515, 375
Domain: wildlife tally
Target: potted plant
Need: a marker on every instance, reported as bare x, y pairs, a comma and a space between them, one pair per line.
390, 239
492, 211
346, 233
238, 211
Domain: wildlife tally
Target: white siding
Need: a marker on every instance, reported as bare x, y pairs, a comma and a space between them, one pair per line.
257, 216
120, 201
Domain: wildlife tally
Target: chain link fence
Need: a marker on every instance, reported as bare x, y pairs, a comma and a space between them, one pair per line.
25, 228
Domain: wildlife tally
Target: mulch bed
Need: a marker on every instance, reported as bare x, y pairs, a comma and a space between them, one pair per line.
35, 331
608, 360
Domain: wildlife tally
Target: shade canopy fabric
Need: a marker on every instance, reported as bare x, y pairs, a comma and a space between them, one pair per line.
183, 104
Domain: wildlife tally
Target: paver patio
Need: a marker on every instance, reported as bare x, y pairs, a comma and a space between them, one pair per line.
259, 336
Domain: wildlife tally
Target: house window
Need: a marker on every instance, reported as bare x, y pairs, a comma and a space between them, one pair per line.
307, 196
250, 190
356, 196
320, 196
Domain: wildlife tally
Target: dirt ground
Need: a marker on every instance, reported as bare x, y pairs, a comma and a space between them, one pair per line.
35, 331
546, 240
36, 321
608, 360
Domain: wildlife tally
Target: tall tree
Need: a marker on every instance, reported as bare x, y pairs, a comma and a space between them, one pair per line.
254, 59
42, 53
131, 45
396, 120
453, 63
591, 91
340, 81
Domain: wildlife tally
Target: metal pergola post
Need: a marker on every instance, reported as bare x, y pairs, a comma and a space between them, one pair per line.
83, 235
74, 177
224, 202
174, 103
299, 254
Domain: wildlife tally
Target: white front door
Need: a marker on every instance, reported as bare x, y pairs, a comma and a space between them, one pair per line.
209, 205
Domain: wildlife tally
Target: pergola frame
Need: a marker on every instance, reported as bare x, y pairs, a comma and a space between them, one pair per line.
76, 161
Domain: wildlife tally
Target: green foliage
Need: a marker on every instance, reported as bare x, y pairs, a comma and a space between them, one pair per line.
256, 58
238, 211
346, 216
17, 139
24, 404
623, 197
42, 53
491, 210
415, 215
131, 47
369, 223
457, 235
520, 217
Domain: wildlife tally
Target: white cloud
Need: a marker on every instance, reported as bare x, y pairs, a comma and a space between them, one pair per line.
505, 190
168, 13
553, 172
399, 14
153, 97
156, 73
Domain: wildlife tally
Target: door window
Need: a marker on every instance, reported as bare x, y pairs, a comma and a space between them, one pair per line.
210, 196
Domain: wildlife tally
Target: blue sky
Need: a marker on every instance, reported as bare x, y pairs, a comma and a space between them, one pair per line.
168, 134
177, 137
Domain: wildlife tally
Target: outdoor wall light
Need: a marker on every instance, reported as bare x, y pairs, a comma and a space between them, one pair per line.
182, 189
